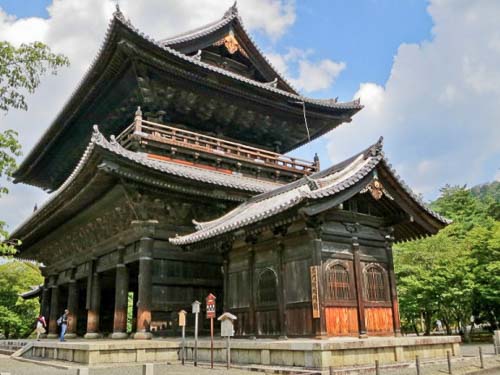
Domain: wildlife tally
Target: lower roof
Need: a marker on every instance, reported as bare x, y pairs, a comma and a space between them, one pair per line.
103, 156
326, 184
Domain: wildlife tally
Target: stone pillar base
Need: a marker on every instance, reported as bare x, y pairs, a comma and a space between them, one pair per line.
363, 336
52, 336
92, 335
143, 336
119, 335
70, 336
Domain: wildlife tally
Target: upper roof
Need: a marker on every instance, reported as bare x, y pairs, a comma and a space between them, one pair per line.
262, 114
230, 28
355, 173
100, 149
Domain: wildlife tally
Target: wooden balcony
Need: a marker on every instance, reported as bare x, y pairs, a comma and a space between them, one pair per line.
147, 133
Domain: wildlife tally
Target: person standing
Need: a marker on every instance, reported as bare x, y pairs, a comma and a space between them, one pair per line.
41, 324
63, 323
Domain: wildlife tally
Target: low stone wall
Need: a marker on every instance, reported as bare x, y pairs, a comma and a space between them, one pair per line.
307, 353
325, 353
106, 351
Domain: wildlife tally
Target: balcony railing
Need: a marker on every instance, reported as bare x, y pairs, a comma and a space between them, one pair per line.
142, 130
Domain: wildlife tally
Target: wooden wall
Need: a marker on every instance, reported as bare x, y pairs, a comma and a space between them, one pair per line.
341, 321
379, 320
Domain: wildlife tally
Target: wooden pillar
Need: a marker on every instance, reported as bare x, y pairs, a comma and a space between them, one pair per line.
45, 303
251, 281
145, 289
282, 293
358, 280
73, 309
121, 302
54, 307
225, 265
93, 312
392, 285
319, 324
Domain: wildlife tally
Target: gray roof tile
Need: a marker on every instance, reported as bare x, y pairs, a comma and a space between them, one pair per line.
330, 181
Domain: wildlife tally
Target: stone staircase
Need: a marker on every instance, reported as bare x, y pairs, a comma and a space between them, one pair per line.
9, 347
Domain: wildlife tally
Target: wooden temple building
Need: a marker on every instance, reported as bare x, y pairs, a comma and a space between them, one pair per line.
192, 193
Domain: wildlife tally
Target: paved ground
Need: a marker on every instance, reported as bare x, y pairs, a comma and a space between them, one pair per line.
23, 368
469, 364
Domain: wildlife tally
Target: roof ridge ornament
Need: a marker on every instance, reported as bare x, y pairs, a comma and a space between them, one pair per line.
313, 184
273, 83
232, 11
376, 149
95, 133
118, 13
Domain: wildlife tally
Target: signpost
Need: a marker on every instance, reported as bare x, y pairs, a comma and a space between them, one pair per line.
227, 331
196, 311
210, 302
182, 323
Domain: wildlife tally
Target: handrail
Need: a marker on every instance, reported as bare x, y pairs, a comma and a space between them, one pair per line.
205, 143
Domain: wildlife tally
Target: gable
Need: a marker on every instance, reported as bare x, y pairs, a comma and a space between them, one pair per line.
227, 45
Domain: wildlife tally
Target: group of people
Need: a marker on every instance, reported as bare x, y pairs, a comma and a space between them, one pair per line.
62, 322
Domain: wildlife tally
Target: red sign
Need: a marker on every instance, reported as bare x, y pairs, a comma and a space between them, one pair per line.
210, 301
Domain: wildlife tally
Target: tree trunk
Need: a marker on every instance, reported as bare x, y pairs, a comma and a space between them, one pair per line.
416, 329
447, 326
428, 323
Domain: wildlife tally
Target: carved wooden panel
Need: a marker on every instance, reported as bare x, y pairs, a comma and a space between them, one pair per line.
341, 321
238, 292
242, 324
299, 321
298, 284
268, 322
379, 320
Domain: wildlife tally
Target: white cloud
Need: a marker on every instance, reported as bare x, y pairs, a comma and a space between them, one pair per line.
77, 28
311, 75
439, 110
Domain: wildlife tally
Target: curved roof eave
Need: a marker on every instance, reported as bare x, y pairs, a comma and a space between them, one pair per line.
238, 183
231, 16
339, 177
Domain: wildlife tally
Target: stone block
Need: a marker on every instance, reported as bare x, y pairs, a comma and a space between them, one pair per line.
148, 369
398, 354
265, 357
82, 371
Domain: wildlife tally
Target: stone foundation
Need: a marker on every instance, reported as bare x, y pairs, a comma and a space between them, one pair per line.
307, 353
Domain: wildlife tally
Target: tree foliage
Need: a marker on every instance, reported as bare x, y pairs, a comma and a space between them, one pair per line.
21, 69
456, 273
17, 315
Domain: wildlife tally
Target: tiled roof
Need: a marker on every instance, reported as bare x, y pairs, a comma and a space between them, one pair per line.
200, 174
319, 185
193, 173
327, 103
201, 31
231, 16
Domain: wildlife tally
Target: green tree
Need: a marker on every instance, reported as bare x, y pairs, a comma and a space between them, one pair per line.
435, 279
21, 69
455, 273
17, 315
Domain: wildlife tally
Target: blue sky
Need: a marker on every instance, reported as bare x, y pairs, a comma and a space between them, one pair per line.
365, 34
426, 71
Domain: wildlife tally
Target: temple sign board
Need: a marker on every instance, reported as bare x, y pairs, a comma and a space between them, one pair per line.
227, 324
210, 301
182, 318
315, 292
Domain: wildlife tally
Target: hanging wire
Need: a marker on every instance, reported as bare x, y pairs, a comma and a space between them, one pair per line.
305, 121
